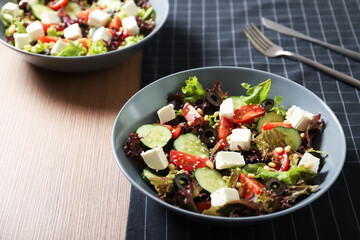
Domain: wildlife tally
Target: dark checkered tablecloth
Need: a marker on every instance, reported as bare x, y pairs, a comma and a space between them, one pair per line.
202, 33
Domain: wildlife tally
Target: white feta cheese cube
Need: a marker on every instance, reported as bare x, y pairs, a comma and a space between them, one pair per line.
58, 47
130, 8
310, 162
12, 9
224, 195
21, 40
98, 18
102, 34
155, 158
240, 137
50, 17
166, 113
73, 32
226, 159
35, 30
131, 26
299, 118
227, 109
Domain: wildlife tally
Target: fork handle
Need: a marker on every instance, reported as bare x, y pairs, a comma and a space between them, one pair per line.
341, 76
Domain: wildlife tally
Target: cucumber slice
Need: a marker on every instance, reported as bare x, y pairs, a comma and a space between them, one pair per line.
292, 138
148, 13
154, 135
209, 179
38, 9
72, 9
269, 117
191, 144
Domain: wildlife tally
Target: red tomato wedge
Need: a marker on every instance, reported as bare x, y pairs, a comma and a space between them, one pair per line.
271, 125
84, 15
251, 186
225, 128
83, 42
57, 4
115, 23
58, 27
187, 161
248, 113
201, 206
174, 130
48, 39
190, 113
282, 161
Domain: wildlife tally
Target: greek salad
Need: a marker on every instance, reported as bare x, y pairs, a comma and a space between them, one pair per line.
70, 28
231, 156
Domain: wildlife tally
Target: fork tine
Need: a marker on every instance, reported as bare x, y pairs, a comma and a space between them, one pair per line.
251, 39
252, 33
262, 36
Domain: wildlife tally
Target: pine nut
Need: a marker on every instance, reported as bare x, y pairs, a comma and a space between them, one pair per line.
272, 164
267, 168
287, 122
189, 123
209, 164
308, 165
216, 114
279, 149
296, 156
287, 149
200, 111
251, 175
171, 166
302, 135
206, 117
238, 185
272, 169
243, 127
225, 178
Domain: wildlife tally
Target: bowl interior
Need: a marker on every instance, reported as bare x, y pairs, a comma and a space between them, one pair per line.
142, 107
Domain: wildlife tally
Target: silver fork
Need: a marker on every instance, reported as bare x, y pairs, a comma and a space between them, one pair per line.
270, 49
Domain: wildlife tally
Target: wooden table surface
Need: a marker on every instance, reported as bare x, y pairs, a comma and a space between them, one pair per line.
58, 176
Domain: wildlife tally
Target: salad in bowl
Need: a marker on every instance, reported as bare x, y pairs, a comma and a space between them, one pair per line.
71, 28
225, 155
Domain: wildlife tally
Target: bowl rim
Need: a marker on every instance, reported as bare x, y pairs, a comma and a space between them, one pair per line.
133, 46
230, 220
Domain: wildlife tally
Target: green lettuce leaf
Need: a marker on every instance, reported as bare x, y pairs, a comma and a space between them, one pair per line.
280, 110
193, 90
97, 47
130, 41
256, 94
38, 48
52, 32
7, 19
73, 50
289, 177
162, 185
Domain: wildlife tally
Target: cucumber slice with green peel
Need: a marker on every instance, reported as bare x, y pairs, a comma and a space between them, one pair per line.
153, 135
148, 13
72, 9
292, 139
191, 144
209, 179
38, 9
268, 117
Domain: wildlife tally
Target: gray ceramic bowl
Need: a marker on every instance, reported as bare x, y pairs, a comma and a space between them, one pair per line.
90, 63
142, 107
